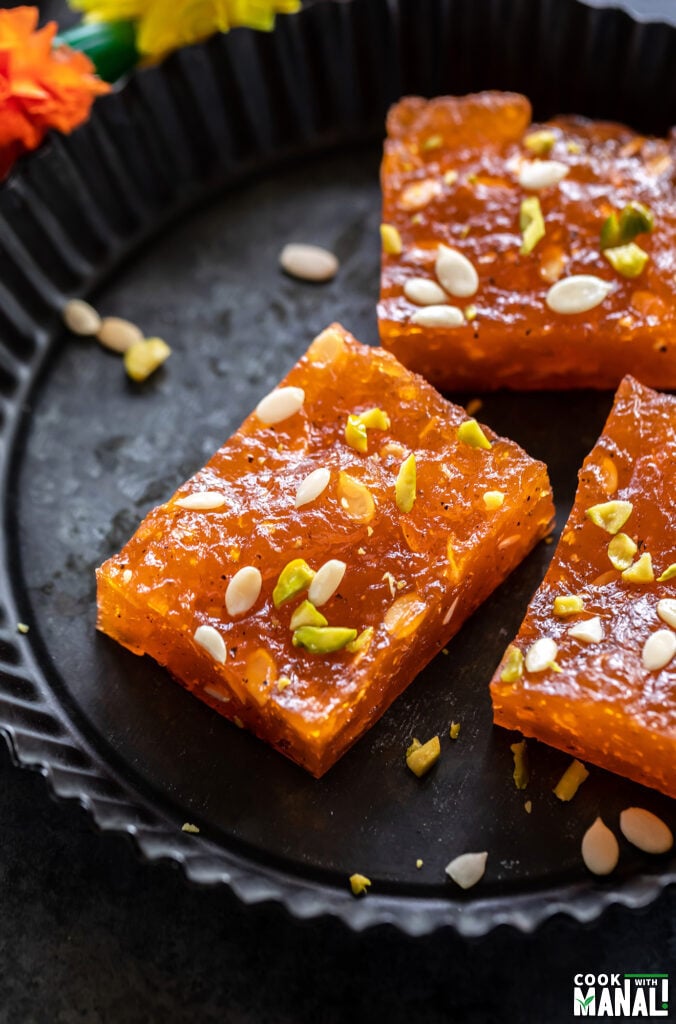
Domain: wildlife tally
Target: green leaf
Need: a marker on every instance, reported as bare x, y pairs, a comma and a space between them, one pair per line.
110, 45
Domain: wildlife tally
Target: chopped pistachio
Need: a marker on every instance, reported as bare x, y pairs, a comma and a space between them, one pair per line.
520, 774
450, 177
628, 260
375, 419
432, 142
419, 863
355, 434
470, 313
610, 515
574, 147
359, 423
21, 627
570, 781
528, 806
513, 667
283, 682
539, 143
454, 731
621, 551
668, 573
471, 433
620, 228
423, 757
323, 639
295, 577
361, 642
493, 500
144, 357
570, 604
405, 485
187, 827
641, 571
307, 615
359, 884
531, 224
390, 240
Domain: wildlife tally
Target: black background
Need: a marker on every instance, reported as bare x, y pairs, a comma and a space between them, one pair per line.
88, 934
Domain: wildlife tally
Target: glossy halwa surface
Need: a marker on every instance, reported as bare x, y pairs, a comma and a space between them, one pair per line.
411, 578
467, 155
603, 704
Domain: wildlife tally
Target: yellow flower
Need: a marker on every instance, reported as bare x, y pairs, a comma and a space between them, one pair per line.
164, 25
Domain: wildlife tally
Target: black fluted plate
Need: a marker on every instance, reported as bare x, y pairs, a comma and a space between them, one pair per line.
170, 208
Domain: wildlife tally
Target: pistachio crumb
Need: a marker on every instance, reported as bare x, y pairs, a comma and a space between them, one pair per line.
359, 884
668, 573
641, 571
390, 240
144, 357
359, 423
574, 147
539, 143
520, 773
187, 827
470, 313
513, 665
432, 142
295, 577
610, 515
283, 682
493, 500
21, 627
528, 806
421, 758
419, 863
470, 433
531, 224
568, 604
454, 731
450, 177
323, 639
361, 642
621, 551
570, 781
628, 260
619, 229
405, 485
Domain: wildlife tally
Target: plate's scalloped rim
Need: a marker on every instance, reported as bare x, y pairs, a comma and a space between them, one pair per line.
40, 733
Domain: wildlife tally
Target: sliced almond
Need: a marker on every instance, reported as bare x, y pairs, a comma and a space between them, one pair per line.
645, 830
600, 849
467, 869
243, 590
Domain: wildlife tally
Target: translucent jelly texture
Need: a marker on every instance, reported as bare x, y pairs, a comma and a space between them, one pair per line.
450, 175
412, 578
604, 705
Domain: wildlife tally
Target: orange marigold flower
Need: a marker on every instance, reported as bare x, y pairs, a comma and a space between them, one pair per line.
41, 87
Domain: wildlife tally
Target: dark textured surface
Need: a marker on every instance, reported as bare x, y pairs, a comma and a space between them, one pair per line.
89, 934
95, 452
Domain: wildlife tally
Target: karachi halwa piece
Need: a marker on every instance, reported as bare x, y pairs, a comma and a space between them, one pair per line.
526, 256
303, 577
592, 670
